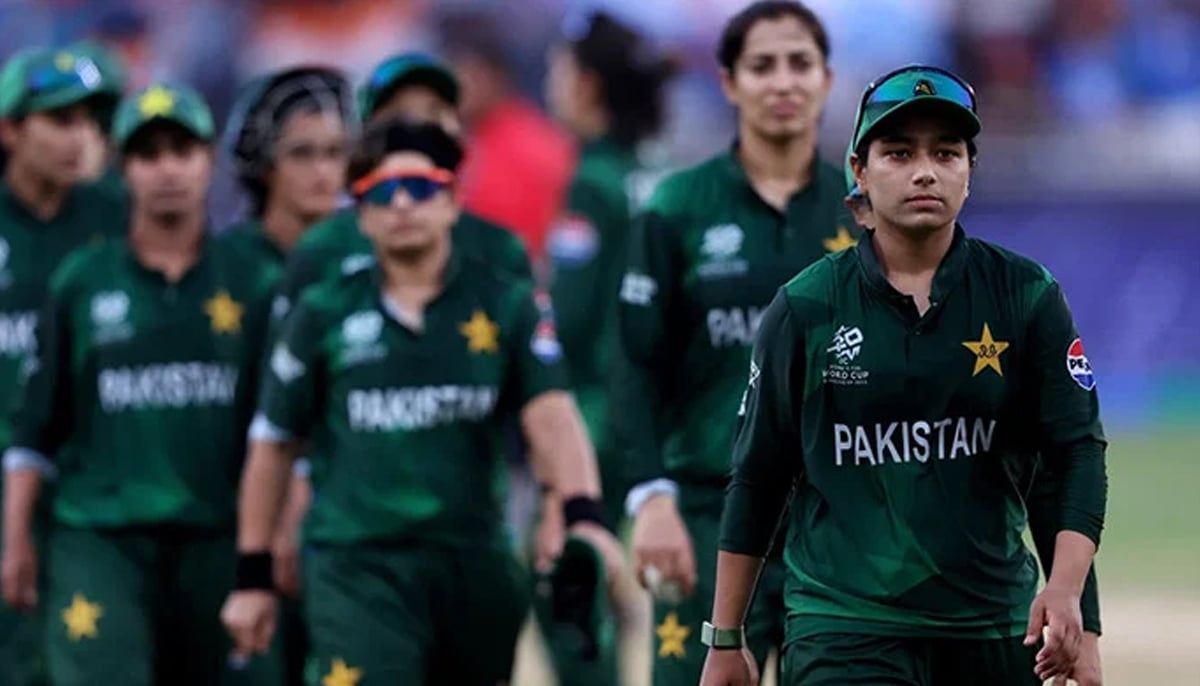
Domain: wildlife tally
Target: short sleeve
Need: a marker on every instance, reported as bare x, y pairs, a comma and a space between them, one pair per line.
536, 356
293, 379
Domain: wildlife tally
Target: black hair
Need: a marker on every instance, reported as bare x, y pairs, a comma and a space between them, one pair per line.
733, 36
632, 76
394, 134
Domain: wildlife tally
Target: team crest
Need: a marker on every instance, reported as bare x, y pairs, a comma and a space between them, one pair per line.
1079, 367
544, 344
924, 87
845, 347
720, 249
362, 328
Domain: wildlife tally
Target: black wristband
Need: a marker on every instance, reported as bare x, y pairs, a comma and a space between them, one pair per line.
584, 509
254, 572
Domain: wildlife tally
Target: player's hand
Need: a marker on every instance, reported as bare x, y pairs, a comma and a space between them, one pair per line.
285, 562
661, 540
729, 668
19, 573
1057, 611
551, 533
606, 544
249, 617
1087, 667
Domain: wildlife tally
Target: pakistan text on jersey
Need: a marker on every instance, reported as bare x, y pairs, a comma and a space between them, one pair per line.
17, 333
906, 442
423, 407
733, 325
173, 385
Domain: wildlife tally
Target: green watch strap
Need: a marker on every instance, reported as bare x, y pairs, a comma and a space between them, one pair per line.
722, 639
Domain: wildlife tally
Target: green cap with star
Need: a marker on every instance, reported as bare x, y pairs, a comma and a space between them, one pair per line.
163, 102
915, 84
37, 80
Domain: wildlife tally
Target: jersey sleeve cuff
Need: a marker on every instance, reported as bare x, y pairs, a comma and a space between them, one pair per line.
18, 459
646, 490
263, 429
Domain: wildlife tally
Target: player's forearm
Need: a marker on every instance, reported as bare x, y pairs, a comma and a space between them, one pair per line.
1043, 526
736, 577
21, 490
1084, 493
636, 405
264, 487
559, 447
1073, 554
299, 497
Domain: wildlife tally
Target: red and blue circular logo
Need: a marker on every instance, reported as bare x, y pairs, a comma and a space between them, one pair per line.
1079, 367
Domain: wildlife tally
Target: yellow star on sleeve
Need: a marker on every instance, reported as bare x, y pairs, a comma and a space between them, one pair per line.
987, 351
224, 312
342, 674
841, 241
81, 617
156, 102
481, 333
671, 635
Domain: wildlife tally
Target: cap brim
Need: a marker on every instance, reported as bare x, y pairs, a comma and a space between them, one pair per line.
964, 120
199, 132
62, 98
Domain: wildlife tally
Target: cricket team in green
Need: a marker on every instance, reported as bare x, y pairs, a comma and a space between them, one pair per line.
819, 412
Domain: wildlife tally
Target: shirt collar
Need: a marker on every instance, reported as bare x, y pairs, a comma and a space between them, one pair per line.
947, 276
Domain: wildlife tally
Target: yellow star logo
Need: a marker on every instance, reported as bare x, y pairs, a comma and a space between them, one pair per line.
671, 635
81, 617
341, 674
64, 62
987, 351
156, 102
841, 241
225, 313
481, 333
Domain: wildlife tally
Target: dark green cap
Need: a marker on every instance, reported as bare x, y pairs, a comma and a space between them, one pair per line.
572, 606
411, 67
37, 80
915, 84
851, 182
178, 104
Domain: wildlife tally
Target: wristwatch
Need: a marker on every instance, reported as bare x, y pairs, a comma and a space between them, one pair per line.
722, 639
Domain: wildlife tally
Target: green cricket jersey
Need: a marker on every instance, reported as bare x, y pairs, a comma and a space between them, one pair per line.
911, 440
587, 253
335, 246
30, 250
142, 389
706, 256
250, 238
406, 425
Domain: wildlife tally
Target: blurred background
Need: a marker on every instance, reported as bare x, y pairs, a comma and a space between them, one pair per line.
1090, 162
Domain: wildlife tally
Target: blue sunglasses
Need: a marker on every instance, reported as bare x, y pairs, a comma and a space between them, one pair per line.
380, 188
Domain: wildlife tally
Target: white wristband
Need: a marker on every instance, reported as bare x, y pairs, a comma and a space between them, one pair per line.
646, 490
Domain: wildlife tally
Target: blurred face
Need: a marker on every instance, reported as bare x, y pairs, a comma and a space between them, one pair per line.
566, 86
917, 175
421, 104
51, 145
168, 172
309, 167
780, 82
404, 223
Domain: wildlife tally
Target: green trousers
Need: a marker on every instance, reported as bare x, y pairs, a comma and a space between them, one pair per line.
413, 614
678, 653
854, 659
141, 608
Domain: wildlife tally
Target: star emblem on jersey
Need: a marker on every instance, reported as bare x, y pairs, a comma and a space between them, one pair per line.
156, 102
81, 617
481, 333
341, 674
224, 312
671, 635
841, 241
987, 351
